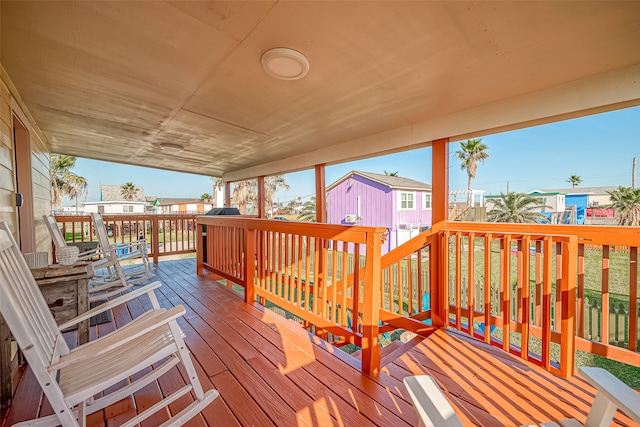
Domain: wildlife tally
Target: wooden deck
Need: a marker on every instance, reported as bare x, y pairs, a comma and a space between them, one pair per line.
269, 371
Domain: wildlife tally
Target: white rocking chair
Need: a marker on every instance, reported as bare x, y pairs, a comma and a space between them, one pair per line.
136, 249
102, 286
612, 394
71, 379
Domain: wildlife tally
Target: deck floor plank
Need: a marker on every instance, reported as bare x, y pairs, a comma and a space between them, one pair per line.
271, 371
379, 414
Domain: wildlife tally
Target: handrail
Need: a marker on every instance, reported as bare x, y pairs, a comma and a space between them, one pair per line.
323, 274
166, 234
528, 279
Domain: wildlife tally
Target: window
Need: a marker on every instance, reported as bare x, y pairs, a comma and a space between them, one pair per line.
427, 200
127, 208
407, 201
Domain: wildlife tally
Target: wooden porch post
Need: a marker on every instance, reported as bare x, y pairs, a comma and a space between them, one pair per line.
321, 195
227, 194
440, 214
568, 319
261, 207
371, 304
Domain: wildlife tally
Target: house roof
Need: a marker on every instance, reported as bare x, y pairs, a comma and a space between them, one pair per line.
545, 193
115, 81
394, 182
603, 191
114, 192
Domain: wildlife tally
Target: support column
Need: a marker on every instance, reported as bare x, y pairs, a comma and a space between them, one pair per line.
439, 182
261, 192
227, 194
321, 195
440, 214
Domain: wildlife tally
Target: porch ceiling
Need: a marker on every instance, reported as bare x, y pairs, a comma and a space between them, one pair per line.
114, 80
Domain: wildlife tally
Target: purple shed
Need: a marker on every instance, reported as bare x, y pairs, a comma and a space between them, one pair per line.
401, 205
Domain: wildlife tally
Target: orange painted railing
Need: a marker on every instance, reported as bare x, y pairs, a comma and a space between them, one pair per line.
520, 287
165, 234
320, 273
547, 269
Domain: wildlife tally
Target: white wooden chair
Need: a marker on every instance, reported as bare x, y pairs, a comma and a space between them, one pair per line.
137, 249
60, 242
71, 379
114, 280
612, 394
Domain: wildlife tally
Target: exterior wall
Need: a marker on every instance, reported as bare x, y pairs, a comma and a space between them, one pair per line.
378, 207
185, 208
599, 200
114, 207
11, 103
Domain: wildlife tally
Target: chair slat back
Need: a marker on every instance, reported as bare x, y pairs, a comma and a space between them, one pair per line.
54, 231
101, 231
24, 308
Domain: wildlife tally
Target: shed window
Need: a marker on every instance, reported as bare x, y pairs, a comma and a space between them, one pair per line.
427, 200
127, 208
407, 201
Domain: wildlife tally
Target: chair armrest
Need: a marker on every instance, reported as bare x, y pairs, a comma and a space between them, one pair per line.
110, 304
138, 327
430, 403
618, 393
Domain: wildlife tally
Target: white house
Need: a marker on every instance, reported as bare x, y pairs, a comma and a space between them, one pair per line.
114, 207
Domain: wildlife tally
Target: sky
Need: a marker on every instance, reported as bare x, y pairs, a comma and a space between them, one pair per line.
599, 149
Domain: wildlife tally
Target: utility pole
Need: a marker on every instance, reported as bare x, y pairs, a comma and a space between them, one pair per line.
633, 174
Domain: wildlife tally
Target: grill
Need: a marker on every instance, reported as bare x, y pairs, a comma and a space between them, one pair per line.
215, 212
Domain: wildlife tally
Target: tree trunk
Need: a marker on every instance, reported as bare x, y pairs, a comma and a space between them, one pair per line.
469, 193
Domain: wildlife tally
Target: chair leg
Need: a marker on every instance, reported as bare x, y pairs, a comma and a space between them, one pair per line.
185, 358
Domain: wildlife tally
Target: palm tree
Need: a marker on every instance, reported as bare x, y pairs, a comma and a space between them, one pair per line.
391, 173
128, 191
470, 153
575, 180
63, 181
626, 202
271, 186
205, 197
308, 213
243, 193
516, 207
78, 188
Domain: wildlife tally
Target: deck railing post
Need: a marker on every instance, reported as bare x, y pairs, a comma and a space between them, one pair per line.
371, 306
568, 315
155, 246
199, 239
250, 265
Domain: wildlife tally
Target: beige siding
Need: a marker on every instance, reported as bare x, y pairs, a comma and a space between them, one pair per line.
7, 179
40, 153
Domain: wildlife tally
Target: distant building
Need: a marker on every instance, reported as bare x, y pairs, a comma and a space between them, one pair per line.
114, 207
401, 205
166, 205
590, 204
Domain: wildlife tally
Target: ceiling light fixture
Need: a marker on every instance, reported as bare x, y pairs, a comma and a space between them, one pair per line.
285, 64
171, 148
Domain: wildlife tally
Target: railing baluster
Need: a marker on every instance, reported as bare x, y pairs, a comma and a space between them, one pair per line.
505, 285
470, 282
547, 278
633, 299
487, 287
524, 348
604, 333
